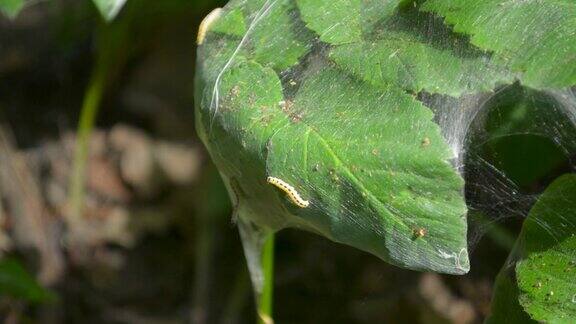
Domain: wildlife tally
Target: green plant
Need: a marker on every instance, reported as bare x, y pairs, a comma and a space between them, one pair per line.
364, 108
539, 273
389, 126
17, 283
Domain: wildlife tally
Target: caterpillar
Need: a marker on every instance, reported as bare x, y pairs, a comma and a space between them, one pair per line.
205, 24
289, 190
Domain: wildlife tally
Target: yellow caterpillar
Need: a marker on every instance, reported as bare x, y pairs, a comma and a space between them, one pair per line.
289, 190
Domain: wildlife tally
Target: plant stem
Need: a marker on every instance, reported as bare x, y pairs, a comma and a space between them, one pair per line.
265, 299
88, 114
112, 40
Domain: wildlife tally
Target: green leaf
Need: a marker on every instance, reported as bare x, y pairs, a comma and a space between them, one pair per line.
16, 282
277, 38
505, 307
544, 260
370, 184
218, 51
547, 277
344, 21
236, 129
553, 217
535, 38
231, 23
335, 21
341, 144
269, 31
405, 47
11, 8
249, 109
415, 65
548, 284
109, 8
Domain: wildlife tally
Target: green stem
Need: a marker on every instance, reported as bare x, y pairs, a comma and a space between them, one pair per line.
112, 44
265, 299
88, 114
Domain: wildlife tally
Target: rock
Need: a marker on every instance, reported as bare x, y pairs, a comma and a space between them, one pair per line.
137, 165
179, 163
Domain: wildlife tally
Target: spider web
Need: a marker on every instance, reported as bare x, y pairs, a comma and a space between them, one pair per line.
506, 140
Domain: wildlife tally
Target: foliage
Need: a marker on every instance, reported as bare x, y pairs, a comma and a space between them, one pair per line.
367, 186
329, 97
17, 283
347, 102
539, 277
534, 38
399, 51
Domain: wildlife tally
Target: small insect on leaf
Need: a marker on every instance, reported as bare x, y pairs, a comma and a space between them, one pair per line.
419, 232
289, 190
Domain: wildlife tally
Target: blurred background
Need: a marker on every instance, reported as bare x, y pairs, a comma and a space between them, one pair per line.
154, 242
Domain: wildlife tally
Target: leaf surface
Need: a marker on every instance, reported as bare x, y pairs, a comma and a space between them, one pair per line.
400, 58
344, 21
533, 37
544, 260
16, 282
370, 184
365, 159
384, 43
340, 143
547, 276
268, 31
